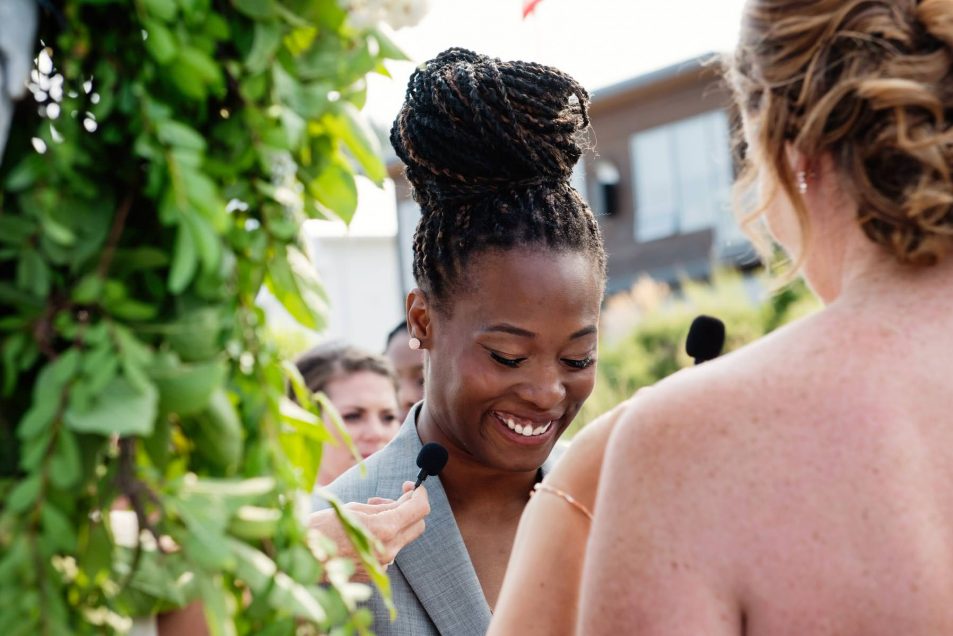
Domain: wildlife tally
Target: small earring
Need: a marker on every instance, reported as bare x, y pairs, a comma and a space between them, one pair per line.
801, 182
413, 343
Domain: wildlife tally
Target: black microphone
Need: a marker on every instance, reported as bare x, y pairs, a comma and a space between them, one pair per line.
431, 459
706, 337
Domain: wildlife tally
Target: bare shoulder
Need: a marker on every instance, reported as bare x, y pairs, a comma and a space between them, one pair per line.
577, 471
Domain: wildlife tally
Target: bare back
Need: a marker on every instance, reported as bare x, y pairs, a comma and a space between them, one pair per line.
801, 486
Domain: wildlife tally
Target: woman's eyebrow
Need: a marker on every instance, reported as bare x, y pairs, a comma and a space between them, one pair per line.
523, 333
510, 329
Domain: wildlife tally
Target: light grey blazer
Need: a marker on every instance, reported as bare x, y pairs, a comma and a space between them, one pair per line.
433, 583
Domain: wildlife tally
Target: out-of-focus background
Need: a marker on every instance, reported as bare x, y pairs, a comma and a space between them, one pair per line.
658, 177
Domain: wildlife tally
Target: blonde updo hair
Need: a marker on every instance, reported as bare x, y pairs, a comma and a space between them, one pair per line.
869, 82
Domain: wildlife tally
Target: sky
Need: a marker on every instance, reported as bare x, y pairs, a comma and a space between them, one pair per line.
599, 42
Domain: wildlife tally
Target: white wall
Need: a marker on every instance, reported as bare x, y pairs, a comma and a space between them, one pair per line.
361, 278
360, 269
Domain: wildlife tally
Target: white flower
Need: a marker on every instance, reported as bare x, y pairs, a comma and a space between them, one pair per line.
364, 14
405, 13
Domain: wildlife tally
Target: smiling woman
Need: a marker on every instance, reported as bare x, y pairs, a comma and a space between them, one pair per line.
510, 270
363, 388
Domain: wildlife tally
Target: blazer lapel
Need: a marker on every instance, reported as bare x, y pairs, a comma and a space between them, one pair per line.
437, 565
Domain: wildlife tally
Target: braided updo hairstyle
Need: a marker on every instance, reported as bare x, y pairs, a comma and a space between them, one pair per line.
489, 147
871, 83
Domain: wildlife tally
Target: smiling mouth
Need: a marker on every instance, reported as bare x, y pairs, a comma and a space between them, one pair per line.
522, 426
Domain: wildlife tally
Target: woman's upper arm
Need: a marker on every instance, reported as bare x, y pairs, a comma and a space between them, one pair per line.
649, 565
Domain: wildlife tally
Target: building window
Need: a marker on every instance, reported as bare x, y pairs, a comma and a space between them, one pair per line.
682, 176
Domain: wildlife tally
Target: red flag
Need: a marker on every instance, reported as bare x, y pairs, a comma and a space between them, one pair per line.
529, 6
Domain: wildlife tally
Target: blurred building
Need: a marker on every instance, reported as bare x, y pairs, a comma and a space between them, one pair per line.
659, 178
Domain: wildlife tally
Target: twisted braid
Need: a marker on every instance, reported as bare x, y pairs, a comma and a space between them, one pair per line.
489, 147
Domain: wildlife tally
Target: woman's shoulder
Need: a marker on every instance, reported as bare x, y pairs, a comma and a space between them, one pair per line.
380, 475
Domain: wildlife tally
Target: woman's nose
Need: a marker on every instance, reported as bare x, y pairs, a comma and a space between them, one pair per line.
545, 390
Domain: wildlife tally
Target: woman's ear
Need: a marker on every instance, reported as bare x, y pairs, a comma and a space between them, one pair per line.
419, 315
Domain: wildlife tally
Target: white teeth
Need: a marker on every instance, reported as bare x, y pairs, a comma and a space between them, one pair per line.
527, 430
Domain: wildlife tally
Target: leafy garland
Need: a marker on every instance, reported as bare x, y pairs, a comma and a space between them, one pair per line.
155, 183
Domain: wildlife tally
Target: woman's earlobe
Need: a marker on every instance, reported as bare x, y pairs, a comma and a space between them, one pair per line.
418, 319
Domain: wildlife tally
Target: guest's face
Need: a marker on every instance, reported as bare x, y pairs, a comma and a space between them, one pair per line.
409, 365
512, 357
367, 403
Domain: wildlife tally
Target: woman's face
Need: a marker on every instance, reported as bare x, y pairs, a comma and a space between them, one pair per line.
512, 363
367, 403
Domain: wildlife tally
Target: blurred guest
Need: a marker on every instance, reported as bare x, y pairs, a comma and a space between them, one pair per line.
409, 366
362, 386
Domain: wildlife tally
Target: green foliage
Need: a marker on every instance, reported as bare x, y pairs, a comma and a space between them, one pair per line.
150, 190
652, 346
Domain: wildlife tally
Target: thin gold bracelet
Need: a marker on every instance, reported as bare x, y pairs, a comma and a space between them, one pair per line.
565, 496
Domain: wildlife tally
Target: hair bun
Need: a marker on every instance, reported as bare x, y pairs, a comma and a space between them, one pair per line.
472, 125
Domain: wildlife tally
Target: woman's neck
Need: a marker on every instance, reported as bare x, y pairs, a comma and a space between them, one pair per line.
470, 484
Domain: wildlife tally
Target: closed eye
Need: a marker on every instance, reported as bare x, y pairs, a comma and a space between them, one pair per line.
584, 363
512, 363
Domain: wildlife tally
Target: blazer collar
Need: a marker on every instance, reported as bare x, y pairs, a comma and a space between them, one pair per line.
437, 565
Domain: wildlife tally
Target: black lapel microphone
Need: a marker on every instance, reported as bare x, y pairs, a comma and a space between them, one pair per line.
431, 459
706, 338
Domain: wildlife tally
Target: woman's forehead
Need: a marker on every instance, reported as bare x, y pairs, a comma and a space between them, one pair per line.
527, 288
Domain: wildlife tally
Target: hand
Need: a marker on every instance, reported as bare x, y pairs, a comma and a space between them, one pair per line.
393, 523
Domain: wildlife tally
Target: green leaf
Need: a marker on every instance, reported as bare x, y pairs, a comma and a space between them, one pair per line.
363, 543
187, 388
387, 48
58, 527
334, 188
309, 100
88, 290
266, 43
330, 412
160, 42
23, 495
294, 283
304, 422
218, 618
65, 465
25, 173
239, 491
121, 409
195, 335
202, 66
206, 241
12, 348
162, 9
259, 571
258, 9
220, 432
253, 523
56, 231
349, 125
33, 274
184, 260
175, 133
15, 230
